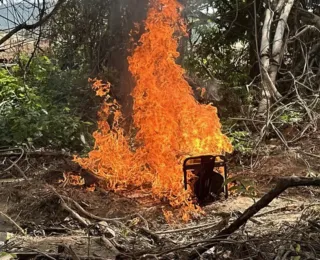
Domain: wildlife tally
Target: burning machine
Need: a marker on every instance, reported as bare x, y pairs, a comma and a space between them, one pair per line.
208, 174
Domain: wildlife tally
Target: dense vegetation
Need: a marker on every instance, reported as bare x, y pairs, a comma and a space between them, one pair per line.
258, 62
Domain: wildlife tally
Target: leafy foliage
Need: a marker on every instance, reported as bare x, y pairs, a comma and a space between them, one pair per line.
43, 107
219, 47
79, 33
241, 141
291, 117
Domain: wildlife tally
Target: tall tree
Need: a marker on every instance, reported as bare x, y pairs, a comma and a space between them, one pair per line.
125, 28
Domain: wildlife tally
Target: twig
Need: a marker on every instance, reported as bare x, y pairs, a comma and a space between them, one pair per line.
25, 26
85, 222
307, 27
88, 214
310, 154
20, 171
250, 120
274, 210
151, 235
144, 221
41, 253
5, 153
71, 252
14, 163
89, 244
208, 225
313, 223
107, 243
13, 222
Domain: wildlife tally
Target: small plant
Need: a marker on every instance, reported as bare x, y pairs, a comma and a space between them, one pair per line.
291, 117
241, 141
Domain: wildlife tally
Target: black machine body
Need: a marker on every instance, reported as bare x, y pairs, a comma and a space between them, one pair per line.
207, 177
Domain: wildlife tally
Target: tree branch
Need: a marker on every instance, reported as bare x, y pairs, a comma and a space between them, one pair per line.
309, 18
25, 26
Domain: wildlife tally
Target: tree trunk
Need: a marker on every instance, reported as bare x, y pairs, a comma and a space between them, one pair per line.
123, 16
278, 43
270, 66
265, 61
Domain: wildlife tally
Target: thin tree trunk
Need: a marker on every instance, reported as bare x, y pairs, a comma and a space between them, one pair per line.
270, 66
265, 62
278, 44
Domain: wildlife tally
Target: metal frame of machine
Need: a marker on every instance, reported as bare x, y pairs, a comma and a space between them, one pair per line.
208, 181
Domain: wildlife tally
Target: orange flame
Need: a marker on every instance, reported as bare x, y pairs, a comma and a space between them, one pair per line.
171, 124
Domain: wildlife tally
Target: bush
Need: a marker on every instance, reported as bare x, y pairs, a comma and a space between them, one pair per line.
46, 107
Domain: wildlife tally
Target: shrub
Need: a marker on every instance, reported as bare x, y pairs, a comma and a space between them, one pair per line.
46, 106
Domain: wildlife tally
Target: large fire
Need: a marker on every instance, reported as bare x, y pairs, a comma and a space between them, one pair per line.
171, 125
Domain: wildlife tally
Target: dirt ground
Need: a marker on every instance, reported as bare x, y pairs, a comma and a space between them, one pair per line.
36, 208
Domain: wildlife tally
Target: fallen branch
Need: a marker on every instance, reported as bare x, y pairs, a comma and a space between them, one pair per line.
211, 225
82, 220
13, 222
11, 180
281, 186
309, 17
39, 253
83, 211
90, 215
145, 254
107, 243
253, 220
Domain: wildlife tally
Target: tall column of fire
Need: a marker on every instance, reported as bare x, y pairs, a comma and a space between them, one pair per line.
170, 123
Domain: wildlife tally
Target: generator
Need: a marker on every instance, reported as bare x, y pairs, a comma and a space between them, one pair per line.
207, 177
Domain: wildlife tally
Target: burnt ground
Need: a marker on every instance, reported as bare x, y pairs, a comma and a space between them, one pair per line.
133, 222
